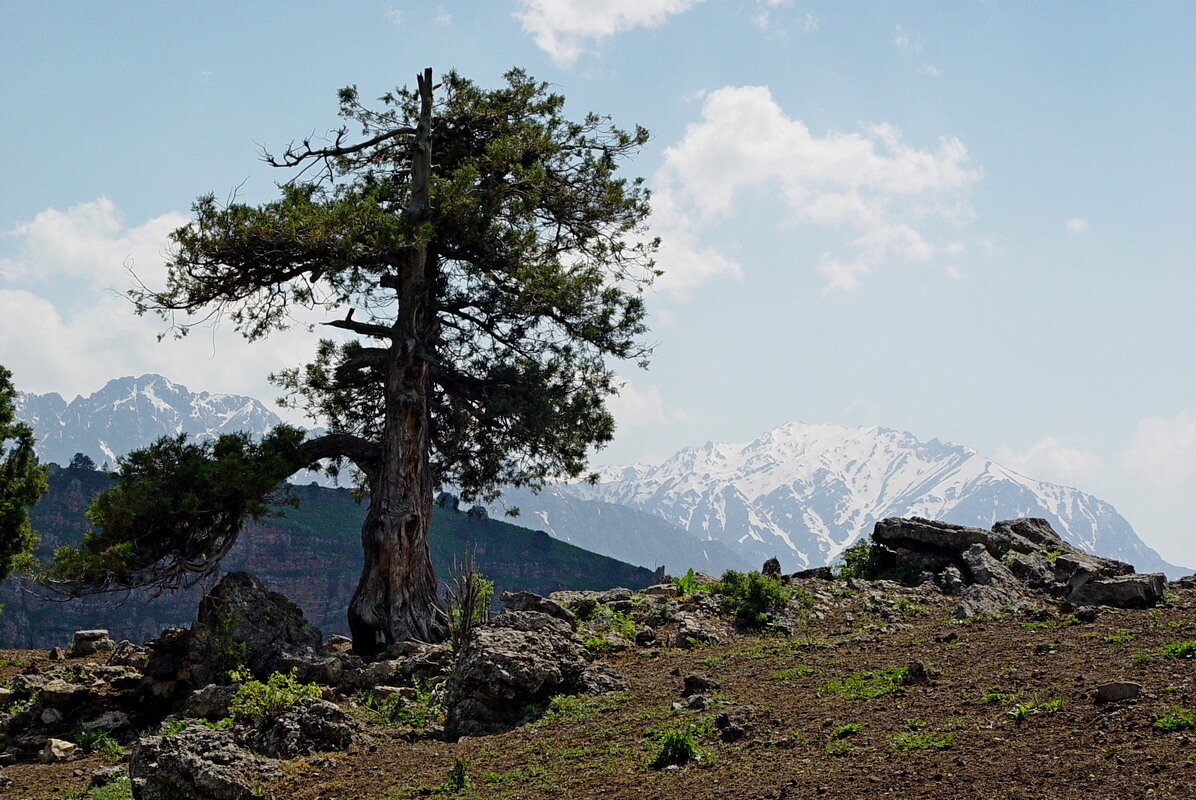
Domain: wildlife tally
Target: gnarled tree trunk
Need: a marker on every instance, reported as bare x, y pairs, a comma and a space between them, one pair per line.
396, 598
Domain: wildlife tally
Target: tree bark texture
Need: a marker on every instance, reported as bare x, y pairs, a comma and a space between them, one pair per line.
396, 597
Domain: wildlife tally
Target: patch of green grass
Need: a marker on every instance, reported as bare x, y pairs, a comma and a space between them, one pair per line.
414, 712
1142, 659
843, 731
97, 741
994, 696
922, 740
866, 684
1121, 638
1180, 649
1023, 711
180, 725
576, 707
839, 748
120, 789
906, 606
678, 746
710, 662
791, 673
1037, 626
1175, 719
915, 723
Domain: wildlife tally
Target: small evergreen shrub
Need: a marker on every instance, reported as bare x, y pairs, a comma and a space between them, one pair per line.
870, 561
752, 595
1180, 649
255, 700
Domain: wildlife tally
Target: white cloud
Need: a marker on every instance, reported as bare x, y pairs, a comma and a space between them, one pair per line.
395, 16
929, 69
954, 272
564, 29
634, 407
72, 348
90, 241
1163, 450
902, 41
443, 17
1077, 224
886, 194
1051, 460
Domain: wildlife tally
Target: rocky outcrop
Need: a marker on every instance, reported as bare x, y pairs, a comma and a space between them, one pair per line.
311, 725
197, 763
1017, 565
241, 622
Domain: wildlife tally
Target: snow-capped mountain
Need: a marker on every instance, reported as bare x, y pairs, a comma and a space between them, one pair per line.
803, 493
132, 412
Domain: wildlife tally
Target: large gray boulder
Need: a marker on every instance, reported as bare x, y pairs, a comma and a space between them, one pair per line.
197, 763
241, 622
311, 725
520, 659
1123, 591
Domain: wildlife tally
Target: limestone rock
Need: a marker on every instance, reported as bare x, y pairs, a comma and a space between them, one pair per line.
1123, 591
127, 654
57, 750
211, 702
57, 693
528, 601
1116, 691
771, 568
242, 620
311, 725
86, 643
197, 763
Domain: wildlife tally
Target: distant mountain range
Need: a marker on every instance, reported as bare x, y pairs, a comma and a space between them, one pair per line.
801, 492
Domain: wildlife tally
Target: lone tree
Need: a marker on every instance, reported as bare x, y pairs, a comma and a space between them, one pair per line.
490, 260
22, 481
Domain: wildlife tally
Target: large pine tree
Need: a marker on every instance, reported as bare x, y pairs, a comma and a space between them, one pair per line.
488, 258
22, 481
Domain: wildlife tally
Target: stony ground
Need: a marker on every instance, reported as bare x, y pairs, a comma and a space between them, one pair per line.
1008, 713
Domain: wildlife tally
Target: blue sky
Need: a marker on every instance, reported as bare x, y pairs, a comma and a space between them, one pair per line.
971, 221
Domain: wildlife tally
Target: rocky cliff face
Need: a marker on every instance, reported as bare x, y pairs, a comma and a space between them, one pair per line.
312, 555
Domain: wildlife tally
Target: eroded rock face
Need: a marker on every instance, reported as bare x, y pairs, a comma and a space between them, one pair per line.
88, 643
311, 725
521, 658
1018, 565
241, 620
197, 763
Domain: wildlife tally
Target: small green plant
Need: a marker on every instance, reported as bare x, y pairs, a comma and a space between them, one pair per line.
687, 583
414, 711
1175, 719
915, 723
255, 700
1121, 638
906, 606
96, 741
994, 696
1036, 626
468, 601
872, 562
867, 684
1023, 711
752, 596
119, 789
839, 748
843, 731
1180, 649
180, 725
922, 740
227, 653
458, 777
1142, 659
678, 746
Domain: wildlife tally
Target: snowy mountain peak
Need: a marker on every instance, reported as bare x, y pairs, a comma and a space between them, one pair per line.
804, 492
130, 412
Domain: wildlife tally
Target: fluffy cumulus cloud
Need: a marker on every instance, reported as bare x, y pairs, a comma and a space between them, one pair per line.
1077, 224
64, 330
1163, 450
90, 241
564, 29
888, 199
1051, 460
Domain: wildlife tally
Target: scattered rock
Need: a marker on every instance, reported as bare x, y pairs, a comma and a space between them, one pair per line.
816, 573
699, 684
771, 568
1116, 691
127, 654
1123, 591
57, 750
86, 643
57, 654
311, 725
102, 776
601, 679
110, 721
338, 644
667, 590
732, 724
211, 702
197, 763
916, 674
529, 601
697, 702
645, 635
57, 693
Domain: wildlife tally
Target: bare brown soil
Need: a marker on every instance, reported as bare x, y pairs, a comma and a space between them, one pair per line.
981, 671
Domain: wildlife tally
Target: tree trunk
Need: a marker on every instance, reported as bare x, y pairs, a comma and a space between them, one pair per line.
396, 598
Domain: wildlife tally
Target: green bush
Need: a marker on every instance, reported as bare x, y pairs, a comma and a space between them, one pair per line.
414, 712
867, 684
458, 777
922, 740
869, 561
677, 746
255, 700
843, 731
751, 596
687, 583
119, 789
96, 741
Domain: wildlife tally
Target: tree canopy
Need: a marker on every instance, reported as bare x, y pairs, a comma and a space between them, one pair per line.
22, 481
488, 259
